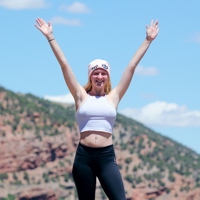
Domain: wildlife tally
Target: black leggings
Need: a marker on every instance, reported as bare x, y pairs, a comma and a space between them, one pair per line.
100, 162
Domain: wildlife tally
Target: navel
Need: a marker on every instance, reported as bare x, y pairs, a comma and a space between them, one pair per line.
95, 139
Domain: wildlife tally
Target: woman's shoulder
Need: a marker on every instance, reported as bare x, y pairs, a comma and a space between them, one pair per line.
112, 98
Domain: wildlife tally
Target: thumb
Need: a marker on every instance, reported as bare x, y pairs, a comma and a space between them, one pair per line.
49, 24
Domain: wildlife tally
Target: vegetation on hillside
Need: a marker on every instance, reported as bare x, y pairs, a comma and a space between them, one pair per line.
161, 158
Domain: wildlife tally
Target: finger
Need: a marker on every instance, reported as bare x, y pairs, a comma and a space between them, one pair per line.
151, 22
37, 27
43, 22
38, 21
147, 26
156, 23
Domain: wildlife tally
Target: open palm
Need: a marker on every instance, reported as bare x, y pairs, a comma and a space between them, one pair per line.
45, 28
152, 30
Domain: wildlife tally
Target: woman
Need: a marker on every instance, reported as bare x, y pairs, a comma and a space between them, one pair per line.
96, 106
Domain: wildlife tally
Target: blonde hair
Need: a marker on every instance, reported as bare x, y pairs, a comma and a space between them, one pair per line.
107, 88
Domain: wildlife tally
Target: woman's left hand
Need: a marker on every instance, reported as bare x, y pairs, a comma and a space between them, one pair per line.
45, 28
152, 30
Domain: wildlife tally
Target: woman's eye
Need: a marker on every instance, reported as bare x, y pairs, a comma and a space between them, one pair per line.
99, 73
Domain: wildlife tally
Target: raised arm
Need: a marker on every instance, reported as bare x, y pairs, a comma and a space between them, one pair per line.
119, 91
75, 88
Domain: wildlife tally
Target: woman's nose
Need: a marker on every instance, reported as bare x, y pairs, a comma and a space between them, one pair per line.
99, 75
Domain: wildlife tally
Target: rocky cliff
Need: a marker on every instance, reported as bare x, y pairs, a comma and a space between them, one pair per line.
38, 140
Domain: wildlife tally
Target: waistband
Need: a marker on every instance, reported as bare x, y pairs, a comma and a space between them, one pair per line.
95, 150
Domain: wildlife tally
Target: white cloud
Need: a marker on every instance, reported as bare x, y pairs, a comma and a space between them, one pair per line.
76, 7
64, 21
196, 37
146, 71
23, 4
68, 98
164, 114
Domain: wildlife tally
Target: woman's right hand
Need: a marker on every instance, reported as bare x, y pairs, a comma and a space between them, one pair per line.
46, 29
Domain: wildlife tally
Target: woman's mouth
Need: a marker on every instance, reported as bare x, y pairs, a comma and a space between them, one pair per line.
99, 83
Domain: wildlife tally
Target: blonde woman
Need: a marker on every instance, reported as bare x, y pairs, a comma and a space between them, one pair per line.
96, 109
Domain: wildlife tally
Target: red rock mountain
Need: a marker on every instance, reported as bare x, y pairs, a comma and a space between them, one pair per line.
38, 140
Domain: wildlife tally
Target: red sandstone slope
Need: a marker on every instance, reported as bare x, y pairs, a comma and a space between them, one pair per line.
37, 149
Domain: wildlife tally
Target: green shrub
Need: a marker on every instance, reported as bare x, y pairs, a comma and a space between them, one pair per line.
135, 168
128, 160
129, 178
131, 150
10, 197
139, 180
123, 146
168, 190
3, 176
120, 166
171, 177
26, 177
66, 177
45, 177
15, 176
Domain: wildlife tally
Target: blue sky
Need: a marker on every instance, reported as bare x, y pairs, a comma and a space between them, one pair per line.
164, 93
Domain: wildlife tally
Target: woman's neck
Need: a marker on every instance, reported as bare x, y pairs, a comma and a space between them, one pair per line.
94, 92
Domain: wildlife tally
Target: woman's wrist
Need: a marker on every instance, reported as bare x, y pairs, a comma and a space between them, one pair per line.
50, 37
148, 39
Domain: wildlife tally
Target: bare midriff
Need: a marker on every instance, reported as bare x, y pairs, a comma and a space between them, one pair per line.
96, 139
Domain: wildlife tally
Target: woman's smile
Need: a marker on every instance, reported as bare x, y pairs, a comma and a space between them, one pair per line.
99, 77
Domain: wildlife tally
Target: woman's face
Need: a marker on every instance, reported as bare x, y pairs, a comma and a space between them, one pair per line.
99, 78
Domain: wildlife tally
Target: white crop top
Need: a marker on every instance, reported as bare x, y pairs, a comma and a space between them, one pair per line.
96, 114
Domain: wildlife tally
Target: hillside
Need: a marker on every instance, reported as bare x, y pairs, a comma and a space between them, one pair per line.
38, 140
